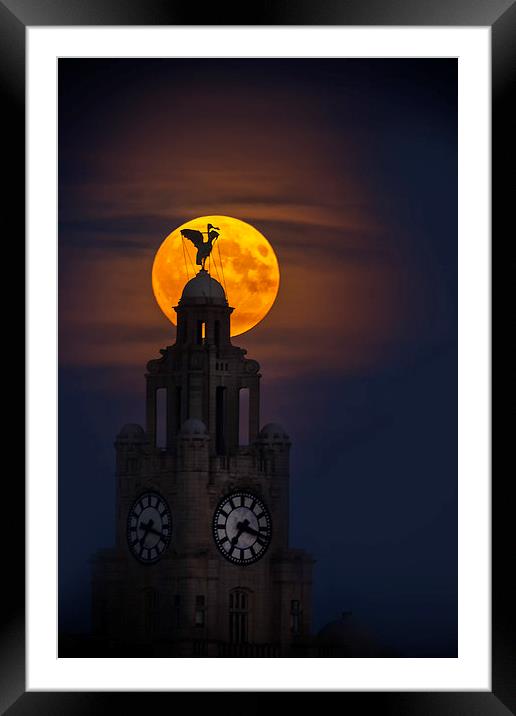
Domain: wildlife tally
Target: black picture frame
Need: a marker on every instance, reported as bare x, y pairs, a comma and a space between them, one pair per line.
500, 16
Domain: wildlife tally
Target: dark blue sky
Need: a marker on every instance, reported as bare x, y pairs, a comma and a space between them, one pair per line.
349, 167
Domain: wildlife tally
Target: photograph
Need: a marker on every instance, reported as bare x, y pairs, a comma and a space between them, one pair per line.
258, 350
259, 249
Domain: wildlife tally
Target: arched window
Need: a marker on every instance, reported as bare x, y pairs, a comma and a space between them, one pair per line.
201, 332
238, 616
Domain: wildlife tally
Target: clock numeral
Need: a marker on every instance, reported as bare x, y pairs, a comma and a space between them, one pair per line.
242, 551
262, 514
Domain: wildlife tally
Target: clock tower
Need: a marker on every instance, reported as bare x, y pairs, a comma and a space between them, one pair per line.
202, 564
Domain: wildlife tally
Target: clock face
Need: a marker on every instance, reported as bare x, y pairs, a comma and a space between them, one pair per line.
149, 527
242, 528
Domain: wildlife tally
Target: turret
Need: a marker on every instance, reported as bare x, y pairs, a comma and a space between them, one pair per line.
202, 375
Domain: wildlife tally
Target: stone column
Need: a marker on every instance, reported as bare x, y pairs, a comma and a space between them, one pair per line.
254, 411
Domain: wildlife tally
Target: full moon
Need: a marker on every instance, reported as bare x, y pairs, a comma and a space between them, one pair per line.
242, 261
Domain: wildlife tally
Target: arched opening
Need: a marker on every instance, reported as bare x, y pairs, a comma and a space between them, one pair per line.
238, 616
201, 332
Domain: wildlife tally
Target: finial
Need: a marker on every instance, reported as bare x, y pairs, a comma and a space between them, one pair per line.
203, 247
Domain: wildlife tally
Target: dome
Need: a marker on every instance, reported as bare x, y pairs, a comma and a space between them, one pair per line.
193, 426
274, 433
204, 287
132, 433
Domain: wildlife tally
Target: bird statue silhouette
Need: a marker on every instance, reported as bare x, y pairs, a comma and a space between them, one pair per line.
203, 247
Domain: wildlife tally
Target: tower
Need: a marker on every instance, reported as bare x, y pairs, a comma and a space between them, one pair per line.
202, 564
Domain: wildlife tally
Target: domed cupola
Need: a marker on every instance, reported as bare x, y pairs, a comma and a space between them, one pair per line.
193, 428
203, 289
273, 433
203, 312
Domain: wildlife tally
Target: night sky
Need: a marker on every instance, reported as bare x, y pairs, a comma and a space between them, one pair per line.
349, 168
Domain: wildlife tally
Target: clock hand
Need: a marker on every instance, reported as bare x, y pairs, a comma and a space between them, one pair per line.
155, 532
251, 531
240, 528
244, 527
237, 536
146, 529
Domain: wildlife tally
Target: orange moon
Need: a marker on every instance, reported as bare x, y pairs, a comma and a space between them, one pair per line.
242, 261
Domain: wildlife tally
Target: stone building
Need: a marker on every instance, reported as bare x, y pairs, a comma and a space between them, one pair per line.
202, 564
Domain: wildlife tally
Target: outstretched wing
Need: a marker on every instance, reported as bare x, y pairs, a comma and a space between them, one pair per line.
195, 237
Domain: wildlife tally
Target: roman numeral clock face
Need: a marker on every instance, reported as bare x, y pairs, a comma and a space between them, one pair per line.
242, 528
149, 527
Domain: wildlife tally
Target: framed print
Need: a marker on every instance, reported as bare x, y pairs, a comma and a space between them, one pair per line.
259, 394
